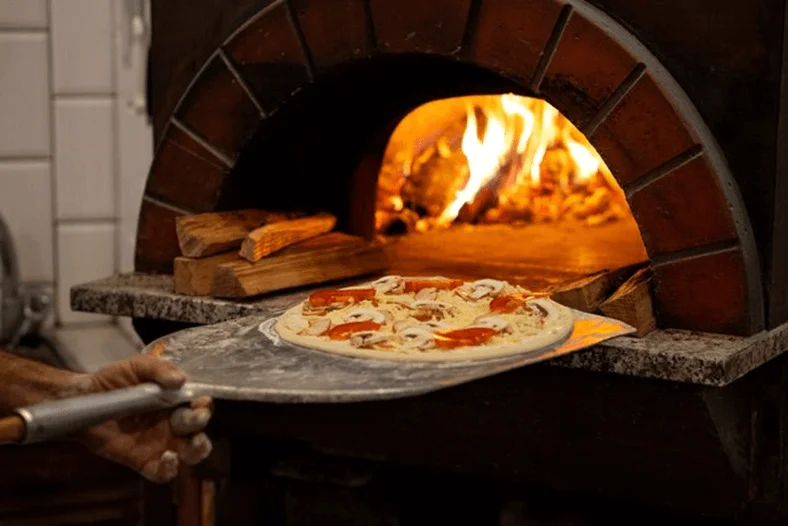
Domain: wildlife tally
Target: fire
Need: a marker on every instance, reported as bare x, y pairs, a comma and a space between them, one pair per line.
489, 159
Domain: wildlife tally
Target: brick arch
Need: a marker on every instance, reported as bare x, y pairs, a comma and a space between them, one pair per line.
601, 77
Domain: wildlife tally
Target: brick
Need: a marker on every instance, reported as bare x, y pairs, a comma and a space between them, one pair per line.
157, 243
219, 110
436, 26
510, 36
625, 168
706, 294
647, 129
335, 31
586, 68
269, 57
186, 174
683, 209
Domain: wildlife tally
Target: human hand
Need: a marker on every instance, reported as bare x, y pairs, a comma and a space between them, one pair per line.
152, 444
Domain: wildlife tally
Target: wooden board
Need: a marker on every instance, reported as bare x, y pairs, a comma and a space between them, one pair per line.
632, 303
206, 234
194, 276
317, 260
277, 235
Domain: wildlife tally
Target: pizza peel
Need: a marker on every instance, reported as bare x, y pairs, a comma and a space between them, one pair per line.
245, 360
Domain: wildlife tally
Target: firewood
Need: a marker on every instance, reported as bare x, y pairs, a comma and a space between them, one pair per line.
482, 201
324, 258
206, 234
632, 303
194, 276
275, 236
586, 294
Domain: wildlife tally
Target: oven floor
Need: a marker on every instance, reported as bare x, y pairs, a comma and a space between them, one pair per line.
535, 256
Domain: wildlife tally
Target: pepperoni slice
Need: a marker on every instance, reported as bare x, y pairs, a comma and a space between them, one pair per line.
506, 303
346, 330
415, 285
325, 298
463, 337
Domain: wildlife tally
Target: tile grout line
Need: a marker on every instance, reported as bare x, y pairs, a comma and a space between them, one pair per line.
614, 99
201, 141
53, 167
550, 47
710, 249
241, 80
663, 170
116, 186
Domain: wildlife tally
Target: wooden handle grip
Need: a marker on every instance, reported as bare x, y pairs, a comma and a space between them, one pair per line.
12, 429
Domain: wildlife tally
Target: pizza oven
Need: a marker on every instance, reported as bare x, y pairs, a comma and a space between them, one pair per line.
296, 105
536, 141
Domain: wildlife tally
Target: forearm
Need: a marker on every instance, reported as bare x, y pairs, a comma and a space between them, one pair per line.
25, 382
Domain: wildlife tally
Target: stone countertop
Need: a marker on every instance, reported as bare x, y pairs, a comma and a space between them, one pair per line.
681, 356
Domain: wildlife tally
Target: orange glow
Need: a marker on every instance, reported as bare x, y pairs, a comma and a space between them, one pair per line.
493, 159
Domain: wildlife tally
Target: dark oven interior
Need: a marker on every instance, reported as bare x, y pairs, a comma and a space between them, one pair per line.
292, 105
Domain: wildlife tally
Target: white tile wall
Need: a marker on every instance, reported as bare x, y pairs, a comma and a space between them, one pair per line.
82, 46
29, 14
84, 158
85, 252
134, 140
73, 156
24, 95
26, 205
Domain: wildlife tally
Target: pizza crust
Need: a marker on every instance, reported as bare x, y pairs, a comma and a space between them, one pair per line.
557, 327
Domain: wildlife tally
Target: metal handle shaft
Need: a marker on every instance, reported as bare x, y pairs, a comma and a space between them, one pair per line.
58, 418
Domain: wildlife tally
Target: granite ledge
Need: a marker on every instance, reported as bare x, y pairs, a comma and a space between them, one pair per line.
681, 356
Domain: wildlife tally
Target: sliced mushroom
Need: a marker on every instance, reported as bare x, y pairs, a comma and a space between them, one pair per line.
428, 294
401, 325
296, 323
308, 310
434, 325
417, 338
368, 338
427, 310
317, 327
496, 323
366, 314
481, 288
389, 285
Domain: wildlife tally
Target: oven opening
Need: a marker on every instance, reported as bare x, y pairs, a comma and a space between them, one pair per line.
500, 186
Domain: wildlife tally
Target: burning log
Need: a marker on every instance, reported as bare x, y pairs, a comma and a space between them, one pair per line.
632, 303
484, 200
275, 236
434, 183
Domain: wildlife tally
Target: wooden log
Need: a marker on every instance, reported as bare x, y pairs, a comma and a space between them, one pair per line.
194, 276
632, 303
588, 293
206, 234
324, 258
275, 236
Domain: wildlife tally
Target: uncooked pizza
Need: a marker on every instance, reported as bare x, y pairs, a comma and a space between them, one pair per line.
427, 319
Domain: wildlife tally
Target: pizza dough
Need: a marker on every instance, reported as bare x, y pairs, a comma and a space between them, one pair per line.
426, 319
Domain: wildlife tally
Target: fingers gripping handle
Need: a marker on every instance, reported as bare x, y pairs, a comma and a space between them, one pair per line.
58, 418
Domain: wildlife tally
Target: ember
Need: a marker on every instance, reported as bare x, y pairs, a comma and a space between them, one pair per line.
492, 159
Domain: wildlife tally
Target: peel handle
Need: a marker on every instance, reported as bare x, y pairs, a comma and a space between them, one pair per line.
59, 418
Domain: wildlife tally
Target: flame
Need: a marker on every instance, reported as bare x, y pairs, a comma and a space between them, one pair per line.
484, 156
536, 164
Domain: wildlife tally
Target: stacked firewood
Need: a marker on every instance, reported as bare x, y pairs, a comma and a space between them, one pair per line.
249, 252
623, 294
